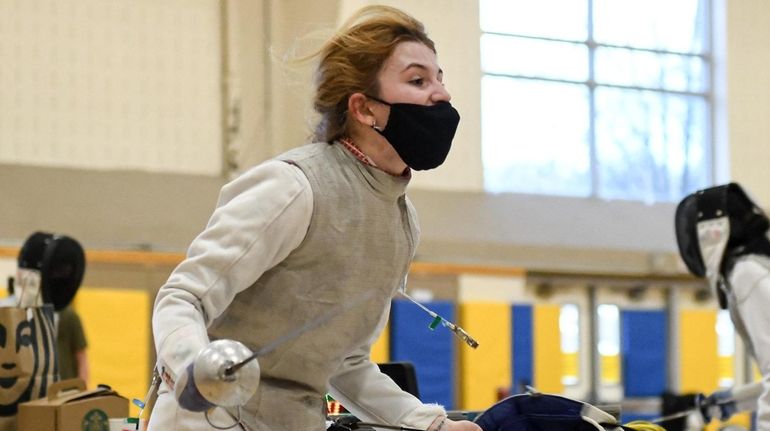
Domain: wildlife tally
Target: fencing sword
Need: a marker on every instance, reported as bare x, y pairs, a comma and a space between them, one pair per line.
677, 415
458, 331
152, 395
352, 424
330, 314
699, 405
384, 426
216, 368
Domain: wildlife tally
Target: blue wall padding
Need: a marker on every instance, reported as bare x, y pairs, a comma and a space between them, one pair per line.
626, 417
431, 351
643, 352
521, 356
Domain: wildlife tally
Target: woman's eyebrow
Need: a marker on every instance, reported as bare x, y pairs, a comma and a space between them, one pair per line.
418, 65
423, 67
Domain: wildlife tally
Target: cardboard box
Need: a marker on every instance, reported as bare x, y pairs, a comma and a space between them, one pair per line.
70, 407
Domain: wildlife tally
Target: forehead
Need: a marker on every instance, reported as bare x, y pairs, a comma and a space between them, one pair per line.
410, 53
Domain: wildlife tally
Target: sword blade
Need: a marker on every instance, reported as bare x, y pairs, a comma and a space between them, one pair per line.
673, 416
330, 314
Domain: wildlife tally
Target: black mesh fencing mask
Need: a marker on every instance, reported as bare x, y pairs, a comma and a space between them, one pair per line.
60, 261
714, 225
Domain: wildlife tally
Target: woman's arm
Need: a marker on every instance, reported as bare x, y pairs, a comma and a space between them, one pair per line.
260, 218
750, 281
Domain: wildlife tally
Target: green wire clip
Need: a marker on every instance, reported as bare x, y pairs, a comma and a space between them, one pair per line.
434, 323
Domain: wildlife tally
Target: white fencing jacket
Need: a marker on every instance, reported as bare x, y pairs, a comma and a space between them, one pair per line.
749, 305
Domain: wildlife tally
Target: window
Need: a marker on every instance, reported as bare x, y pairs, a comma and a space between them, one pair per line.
608, 322
600, 98
725, 348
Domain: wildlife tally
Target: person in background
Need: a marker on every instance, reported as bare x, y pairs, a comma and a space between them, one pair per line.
52, 266
72, 345
723, 237
325, 224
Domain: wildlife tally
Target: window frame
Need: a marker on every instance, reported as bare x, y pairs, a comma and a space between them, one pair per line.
708, 94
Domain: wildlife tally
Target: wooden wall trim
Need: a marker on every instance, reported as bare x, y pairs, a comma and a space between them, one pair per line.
154, 258
124, 257
459, 268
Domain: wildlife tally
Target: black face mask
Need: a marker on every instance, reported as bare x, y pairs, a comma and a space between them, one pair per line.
421, 135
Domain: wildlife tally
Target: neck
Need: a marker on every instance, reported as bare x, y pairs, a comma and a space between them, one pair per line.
379, 150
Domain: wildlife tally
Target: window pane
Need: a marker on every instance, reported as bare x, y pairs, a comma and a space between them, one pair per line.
678, 26
608, 323
647, 69
651, 146
533, 57
726, 348
535, 136
536, 18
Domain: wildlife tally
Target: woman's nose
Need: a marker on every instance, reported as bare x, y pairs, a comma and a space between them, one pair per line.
440, 94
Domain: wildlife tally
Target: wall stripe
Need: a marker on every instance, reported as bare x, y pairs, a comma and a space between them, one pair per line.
643, 348
117, 326
610, 369
547, 358
521, 355
432, 352
380, 351
699, 361
486, 369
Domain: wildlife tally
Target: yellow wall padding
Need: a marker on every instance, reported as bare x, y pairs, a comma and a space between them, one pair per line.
570, 363
381, 347
548, 366
698, 360
726, 367
610, 369
756, 375
740, 419
117, 325
488, 368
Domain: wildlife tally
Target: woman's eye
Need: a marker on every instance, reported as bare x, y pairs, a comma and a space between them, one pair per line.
418, 82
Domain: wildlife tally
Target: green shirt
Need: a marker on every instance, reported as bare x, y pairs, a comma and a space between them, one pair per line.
70, 340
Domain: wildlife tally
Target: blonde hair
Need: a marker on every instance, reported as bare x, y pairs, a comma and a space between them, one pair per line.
350, 61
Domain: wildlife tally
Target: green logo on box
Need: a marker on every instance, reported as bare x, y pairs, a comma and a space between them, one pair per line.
95, 420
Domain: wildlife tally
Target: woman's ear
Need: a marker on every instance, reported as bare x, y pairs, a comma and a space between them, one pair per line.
358, 109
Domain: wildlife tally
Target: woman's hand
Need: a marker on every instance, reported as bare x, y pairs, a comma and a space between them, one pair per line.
450, 425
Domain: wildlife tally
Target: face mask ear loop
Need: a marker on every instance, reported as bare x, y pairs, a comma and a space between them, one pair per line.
377, 99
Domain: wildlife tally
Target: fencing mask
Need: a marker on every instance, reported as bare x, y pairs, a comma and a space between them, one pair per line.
52, 265
714, 226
